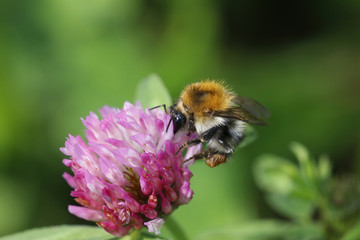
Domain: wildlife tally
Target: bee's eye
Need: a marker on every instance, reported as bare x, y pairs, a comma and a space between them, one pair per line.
179, 120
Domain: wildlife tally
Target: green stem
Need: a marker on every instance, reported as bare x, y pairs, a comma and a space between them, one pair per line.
175, 229
333, 226
134, 235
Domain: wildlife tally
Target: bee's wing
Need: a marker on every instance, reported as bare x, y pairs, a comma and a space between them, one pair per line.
247, 110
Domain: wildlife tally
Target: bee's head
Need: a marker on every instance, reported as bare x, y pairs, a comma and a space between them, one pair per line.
177, 117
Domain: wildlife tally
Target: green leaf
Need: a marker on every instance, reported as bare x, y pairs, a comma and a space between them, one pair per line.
324, 167
67, 232
152, 92
264, 230
307, 165
310, 231
353, 233
300, 152
63, 232
291, 206
286, 190
147, 236
275, 174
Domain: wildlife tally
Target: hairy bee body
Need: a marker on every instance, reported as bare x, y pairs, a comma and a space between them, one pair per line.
202, 97
218, 116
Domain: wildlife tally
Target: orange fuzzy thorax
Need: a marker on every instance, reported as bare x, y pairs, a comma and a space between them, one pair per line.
206, 96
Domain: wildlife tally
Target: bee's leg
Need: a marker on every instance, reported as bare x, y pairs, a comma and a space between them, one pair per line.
205, 137
212, 159
202, 155
189, 143
216, 159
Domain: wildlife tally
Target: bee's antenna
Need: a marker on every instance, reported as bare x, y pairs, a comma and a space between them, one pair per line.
167, 128
162, 105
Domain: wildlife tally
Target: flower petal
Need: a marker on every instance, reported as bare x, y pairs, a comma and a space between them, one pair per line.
155, 225
185, 193
69, 179
111, 171
127, 171
145, 141
129, 157
86, 213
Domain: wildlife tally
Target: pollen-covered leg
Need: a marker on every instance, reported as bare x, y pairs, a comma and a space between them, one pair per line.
189, 144
212, 159
216, 159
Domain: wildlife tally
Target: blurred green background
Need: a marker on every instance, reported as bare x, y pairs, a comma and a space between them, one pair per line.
61, 59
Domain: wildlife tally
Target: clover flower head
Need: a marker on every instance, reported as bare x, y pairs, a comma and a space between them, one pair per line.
127, 174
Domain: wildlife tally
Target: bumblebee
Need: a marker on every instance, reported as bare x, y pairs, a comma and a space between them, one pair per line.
218, 116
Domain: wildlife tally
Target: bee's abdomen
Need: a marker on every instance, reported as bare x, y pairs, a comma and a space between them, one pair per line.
228, 137
236, 132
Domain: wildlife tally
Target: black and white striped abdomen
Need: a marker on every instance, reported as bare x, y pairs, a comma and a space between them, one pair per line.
228, 136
